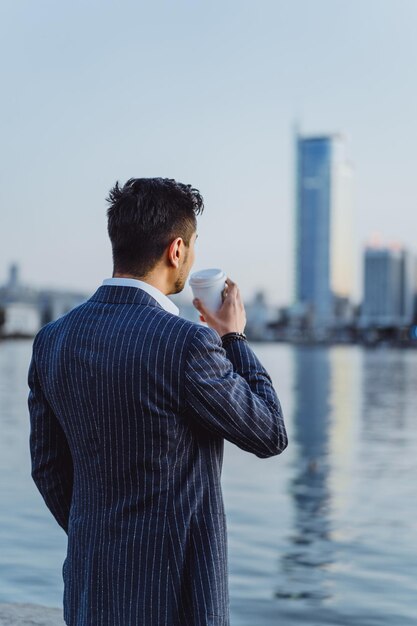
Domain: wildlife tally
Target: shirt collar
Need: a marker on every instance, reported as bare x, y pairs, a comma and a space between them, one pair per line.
156, 293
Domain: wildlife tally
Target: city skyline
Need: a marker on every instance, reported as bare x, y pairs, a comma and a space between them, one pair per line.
91, 98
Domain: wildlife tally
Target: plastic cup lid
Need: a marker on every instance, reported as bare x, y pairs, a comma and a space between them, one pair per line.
207, 276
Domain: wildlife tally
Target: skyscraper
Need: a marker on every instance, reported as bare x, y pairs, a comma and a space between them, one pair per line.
323, 234
388, 298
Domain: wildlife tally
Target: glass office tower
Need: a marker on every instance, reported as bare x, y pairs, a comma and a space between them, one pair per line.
323, 246
388, 298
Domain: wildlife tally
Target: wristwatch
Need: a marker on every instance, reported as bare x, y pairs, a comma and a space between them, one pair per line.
235, 336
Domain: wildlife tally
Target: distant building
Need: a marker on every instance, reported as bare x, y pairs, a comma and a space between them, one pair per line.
259, 316
414, 265
15, 291
345, 312
24, 310
323, 234
54, 303
389, 287
13, 282
21, 319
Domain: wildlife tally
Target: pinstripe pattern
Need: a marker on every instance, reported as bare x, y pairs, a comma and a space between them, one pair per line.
129, 407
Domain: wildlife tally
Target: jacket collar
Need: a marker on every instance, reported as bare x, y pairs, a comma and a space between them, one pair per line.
153, 291
120, 294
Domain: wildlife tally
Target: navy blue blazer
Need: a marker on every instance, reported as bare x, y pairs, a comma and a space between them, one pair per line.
129, 408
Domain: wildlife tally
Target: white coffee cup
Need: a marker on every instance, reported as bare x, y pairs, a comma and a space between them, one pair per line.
207, 286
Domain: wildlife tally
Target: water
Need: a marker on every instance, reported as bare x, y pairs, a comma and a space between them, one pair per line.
325, 534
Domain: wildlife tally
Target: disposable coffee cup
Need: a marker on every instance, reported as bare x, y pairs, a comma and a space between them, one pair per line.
207, 286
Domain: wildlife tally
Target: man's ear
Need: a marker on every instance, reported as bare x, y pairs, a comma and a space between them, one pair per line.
174, 251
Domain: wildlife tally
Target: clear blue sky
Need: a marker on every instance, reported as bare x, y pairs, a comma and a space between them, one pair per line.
205, 92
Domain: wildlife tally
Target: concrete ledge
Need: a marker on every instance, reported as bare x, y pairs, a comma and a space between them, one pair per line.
30, 615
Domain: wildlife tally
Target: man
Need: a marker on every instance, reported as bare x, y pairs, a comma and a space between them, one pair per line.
129, 406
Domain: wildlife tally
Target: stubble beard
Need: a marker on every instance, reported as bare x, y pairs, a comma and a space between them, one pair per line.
182, 276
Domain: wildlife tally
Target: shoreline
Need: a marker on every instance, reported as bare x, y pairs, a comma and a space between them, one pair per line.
405, 344
15, 614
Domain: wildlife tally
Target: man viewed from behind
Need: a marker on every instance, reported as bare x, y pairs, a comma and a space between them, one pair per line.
129, 407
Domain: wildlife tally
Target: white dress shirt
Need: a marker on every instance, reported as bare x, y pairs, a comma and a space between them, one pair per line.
163, 300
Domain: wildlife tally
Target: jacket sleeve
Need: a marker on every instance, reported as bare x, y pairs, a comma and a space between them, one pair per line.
52, 467
229, 392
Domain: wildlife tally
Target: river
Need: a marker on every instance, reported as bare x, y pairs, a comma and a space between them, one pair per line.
325, 533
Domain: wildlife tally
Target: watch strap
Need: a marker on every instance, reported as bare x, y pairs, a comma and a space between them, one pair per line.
233, 336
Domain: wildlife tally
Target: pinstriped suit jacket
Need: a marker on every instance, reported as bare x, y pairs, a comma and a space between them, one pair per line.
129, 407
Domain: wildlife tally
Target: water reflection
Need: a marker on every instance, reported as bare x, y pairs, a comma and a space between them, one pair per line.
389, 434
351, 556
14, 362
387, 388
303, 565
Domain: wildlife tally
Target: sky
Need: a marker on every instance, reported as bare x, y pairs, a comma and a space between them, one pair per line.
207, 93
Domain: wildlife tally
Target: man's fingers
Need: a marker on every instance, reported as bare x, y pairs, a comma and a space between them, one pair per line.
198, 304
232, 288
201, 308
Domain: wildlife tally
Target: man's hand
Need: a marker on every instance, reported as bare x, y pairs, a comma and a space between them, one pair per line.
230, 317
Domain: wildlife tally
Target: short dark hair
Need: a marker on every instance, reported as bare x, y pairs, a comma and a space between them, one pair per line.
144, 216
